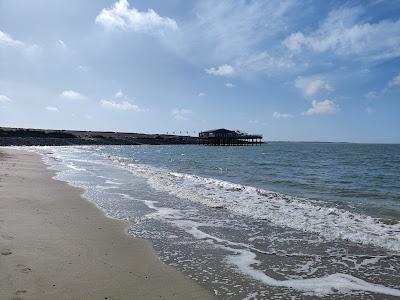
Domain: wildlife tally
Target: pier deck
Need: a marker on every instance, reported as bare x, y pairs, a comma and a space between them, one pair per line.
225, 137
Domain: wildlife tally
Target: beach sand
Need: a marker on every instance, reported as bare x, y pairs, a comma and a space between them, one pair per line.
56, 245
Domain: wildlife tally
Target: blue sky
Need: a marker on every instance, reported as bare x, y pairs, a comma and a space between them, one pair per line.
291, 70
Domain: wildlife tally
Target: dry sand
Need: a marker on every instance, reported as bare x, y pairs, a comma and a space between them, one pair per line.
56, 245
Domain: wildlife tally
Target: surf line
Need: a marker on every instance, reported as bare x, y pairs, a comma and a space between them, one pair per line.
243, 259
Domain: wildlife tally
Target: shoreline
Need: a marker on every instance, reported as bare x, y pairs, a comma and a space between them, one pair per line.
54, 245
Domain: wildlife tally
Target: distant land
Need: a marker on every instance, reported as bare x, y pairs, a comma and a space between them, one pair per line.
50, 137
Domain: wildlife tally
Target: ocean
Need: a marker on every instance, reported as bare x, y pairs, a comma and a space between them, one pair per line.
282, 220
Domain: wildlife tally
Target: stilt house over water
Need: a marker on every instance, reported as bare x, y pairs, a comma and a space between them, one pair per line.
225, 137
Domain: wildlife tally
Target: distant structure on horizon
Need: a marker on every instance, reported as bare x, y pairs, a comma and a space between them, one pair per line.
225, 137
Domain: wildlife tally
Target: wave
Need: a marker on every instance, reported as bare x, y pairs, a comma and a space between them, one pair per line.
244, 259
282, 210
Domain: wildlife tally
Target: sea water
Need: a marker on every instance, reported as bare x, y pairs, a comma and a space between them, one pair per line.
276, 221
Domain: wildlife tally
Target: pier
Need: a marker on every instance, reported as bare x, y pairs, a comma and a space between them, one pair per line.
225, 137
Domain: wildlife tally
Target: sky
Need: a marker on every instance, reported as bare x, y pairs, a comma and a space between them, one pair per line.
290, 70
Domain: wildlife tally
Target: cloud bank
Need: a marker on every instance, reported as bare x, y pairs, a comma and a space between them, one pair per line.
277, 115
343, 34
4, 99
223, 70
311, 87
52, 109
6, 39
120, 105
123, 17
72, 95
321, 108
395, 81
181, 114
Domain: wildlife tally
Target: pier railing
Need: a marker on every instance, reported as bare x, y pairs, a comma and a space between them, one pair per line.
228, 139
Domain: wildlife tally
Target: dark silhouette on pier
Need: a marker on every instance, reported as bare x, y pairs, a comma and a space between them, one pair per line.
225, 137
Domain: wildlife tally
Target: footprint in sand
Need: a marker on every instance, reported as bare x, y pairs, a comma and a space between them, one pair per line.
5, 252
7, 237
20, 292
23, 268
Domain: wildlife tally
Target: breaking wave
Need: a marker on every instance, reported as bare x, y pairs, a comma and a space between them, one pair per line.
282, 210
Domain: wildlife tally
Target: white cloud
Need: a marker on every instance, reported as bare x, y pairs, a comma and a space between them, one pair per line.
342, 34
62, 44
223, 70
52, 109
28, 50
122, 105
82, 69
6, 39
394, 82
369, 110
229, 85
72, 95
264, 63
243, 33
4, 99
322, 107
295, 41
201, 94
123, 17
371, 95
31, 51
277, 115
119, 94
181, 114
312, 86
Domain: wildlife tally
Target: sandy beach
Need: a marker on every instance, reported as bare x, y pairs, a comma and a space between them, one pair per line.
56, 245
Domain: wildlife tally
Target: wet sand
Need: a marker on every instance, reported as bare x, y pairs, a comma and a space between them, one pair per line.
56, 245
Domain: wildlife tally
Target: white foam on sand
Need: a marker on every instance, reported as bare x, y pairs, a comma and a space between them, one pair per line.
244, 259
74, 167
112, 182
296, 213
334, 283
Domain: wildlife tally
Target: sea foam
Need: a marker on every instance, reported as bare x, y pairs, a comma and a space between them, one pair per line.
282, 210
243, 258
